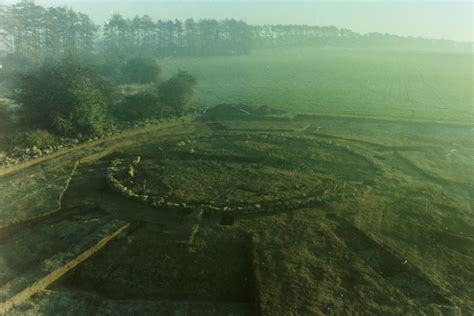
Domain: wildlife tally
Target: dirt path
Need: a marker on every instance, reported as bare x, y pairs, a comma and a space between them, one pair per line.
99, 145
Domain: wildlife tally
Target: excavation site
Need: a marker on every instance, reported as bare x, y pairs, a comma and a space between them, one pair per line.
232, 213
234, 158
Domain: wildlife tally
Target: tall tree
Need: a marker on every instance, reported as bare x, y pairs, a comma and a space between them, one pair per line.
191, 36
33, 31
118, 34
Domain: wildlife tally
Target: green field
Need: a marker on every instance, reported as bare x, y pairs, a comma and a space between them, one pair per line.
382, 83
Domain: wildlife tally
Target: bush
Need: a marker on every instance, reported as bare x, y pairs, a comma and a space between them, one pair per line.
39, 138
177, 92
14, 64
141, 70
138, 107
65, 97
109, 66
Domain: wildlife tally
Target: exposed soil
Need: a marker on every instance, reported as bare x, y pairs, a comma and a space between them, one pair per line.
309, 216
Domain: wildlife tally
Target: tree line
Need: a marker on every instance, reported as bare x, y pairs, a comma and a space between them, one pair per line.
174, 38
34, 31
31, 30
268, 36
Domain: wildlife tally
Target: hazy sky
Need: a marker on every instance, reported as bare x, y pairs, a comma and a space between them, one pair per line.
432, 19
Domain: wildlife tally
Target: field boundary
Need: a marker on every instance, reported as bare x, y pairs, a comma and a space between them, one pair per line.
119, 136
55, 210
54, 275
379, 119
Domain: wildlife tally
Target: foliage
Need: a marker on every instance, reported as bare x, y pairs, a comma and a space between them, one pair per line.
4, 105
140, 70
39, 137
65, 97
108, 65
122, 69
178, 91
15, 64
172, 38
37, 32
137, 107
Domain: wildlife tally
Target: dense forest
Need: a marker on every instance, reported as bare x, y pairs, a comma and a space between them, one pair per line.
37, 32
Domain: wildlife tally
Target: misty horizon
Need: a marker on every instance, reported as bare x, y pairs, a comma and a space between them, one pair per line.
254, 157
441, 20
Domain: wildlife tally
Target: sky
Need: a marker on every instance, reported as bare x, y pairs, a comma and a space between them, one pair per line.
430, 19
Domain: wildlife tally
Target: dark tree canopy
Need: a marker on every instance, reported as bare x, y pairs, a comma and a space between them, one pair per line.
138, 107
171, 38
65, 97
39, 32
177, 92
141, 70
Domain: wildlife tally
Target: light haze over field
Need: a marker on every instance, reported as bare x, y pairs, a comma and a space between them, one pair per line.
228, 157
441, 19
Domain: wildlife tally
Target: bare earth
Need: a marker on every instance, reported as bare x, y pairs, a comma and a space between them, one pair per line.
249, 214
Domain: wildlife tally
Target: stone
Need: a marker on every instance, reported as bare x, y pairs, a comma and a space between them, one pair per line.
131, 171
136, 161
36, 151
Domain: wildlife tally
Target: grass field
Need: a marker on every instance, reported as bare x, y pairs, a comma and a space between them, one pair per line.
381, 83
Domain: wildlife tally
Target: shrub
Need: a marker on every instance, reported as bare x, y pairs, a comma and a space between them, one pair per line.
39, 138
177, 92
141, 70
14, 64
65, 97
109, 66
137, 107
